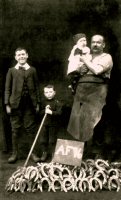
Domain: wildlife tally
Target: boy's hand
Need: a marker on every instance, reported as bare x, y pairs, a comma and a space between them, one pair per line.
8, 109
48, 110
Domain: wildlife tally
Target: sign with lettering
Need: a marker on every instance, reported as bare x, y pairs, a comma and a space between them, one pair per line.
68, 152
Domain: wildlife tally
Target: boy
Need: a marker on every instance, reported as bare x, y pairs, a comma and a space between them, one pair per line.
22, 100
53, 108
76, 68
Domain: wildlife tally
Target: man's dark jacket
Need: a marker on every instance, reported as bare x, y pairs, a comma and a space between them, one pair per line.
14, 86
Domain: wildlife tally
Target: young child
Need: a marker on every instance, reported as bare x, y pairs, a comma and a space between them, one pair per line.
53, 108
22, 100
76, 68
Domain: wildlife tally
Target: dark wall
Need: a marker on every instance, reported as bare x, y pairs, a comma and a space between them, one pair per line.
46, 28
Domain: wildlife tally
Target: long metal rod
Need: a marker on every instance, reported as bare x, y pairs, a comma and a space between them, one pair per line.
35, 140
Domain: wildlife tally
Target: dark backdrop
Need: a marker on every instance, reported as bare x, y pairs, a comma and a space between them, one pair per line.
46, 27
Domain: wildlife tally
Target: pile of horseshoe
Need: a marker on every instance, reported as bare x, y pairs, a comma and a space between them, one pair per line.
91, 176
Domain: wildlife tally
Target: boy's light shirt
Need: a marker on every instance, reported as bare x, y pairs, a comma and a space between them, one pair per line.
26, 66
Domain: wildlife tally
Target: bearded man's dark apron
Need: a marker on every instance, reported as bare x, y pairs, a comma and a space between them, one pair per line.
86, 112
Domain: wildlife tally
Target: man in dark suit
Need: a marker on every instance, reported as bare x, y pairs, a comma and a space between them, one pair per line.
21, 99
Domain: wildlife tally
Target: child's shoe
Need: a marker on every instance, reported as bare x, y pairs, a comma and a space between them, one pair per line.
44, 156
13, 158
35, 158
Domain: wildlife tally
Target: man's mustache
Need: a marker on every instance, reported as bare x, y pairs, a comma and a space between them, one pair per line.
95, 47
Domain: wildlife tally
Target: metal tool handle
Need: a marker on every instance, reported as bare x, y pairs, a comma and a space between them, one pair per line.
35, 140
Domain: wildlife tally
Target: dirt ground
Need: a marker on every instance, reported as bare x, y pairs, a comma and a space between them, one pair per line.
6, 171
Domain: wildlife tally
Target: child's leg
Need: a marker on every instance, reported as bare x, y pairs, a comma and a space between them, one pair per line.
31, 129
73, 79
44, 143
30, 125
16, 124
52, 139
43, 140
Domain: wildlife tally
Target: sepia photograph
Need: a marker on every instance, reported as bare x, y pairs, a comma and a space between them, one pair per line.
60, 86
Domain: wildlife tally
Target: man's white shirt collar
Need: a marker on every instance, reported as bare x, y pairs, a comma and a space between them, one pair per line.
25, 66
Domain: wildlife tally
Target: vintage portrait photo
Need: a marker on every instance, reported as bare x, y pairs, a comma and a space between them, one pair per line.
60, 84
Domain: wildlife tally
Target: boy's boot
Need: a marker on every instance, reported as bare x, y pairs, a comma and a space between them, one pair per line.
44, 152
44, 156
13, 158
35, 158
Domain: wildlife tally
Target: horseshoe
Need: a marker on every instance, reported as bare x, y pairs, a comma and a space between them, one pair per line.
101, 164
84, 184
70, 185
100, 174
95, 180
110, 183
